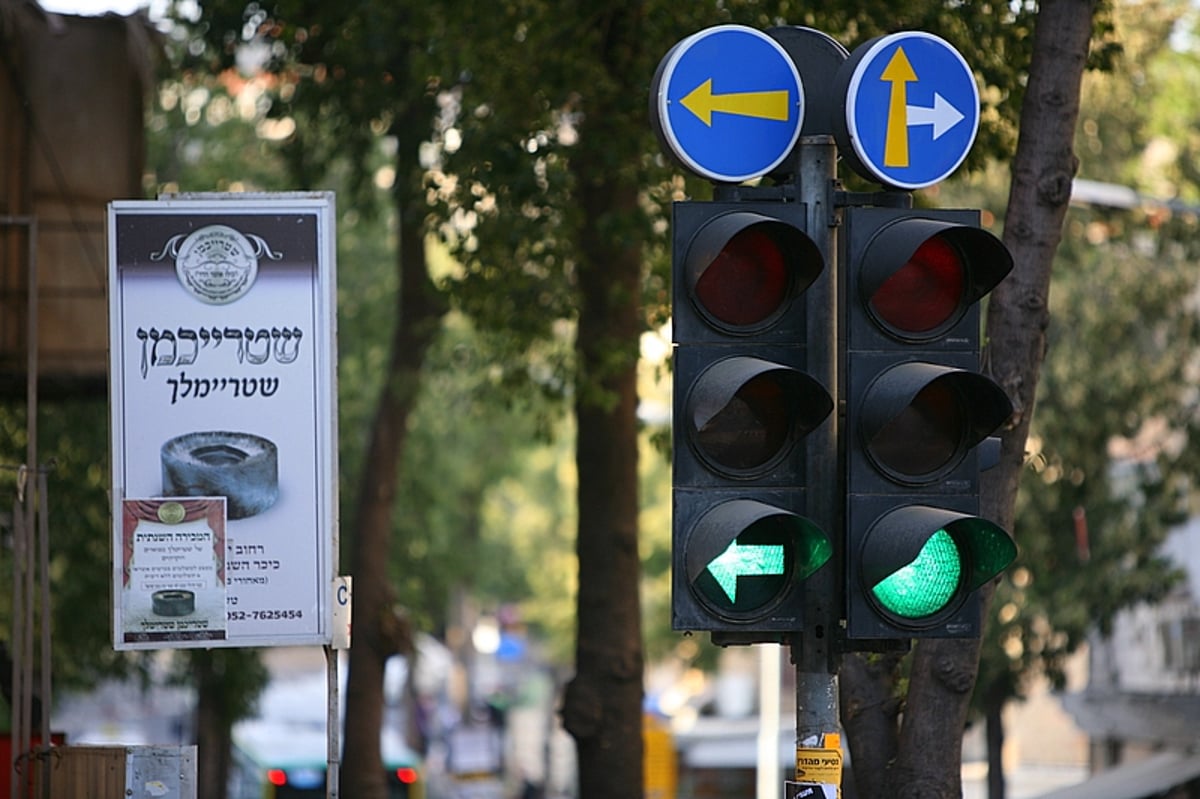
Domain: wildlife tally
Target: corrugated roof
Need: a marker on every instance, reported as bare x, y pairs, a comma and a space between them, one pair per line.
1148, 777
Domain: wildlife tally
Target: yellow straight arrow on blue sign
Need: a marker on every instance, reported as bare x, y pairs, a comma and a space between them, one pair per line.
911, 110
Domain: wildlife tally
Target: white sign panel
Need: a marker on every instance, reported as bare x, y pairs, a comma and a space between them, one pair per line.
222, 359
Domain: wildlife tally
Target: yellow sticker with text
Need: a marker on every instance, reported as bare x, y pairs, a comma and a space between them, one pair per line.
819, 766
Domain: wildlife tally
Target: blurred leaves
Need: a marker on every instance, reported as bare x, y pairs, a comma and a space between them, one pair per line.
1110, 459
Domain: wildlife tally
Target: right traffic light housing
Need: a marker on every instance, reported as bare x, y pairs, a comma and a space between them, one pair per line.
919, 417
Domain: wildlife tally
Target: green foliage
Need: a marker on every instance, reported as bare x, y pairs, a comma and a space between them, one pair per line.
515, 90
1109, 464
73, 447
511, 102
518, 102
530, 514
207, 131
1172, 157
1135, 118
466, 437
1109, 470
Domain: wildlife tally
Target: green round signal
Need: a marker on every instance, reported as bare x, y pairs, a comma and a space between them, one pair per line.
927, 584
917, 566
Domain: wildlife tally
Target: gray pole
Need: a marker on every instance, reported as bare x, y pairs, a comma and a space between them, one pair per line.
814, 651
333, 724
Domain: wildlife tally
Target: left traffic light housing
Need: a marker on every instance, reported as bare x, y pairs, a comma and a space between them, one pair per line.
744, 403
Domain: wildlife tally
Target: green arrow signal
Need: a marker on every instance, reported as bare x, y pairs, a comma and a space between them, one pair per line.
745, 561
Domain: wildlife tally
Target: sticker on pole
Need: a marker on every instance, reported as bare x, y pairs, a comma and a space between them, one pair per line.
911, 110
818, 769
728, 103
819, 766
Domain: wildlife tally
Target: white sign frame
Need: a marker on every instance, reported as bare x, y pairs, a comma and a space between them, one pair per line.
222, 375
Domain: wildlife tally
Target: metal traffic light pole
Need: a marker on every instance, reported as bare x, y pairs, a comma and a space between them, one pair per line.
814, 649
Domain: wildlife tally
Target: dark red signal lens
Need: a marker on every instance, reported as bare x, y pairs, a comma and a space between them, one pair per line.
926, 436
754, 427
747, 283
925, 293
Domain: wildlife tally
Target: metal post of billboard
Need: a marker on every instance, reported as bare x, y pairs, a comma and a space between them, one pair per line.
333, 722
814, 650
31, 552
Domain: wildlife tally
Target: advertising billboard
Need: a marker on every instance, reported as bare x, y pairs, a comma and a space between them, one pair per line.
223, 395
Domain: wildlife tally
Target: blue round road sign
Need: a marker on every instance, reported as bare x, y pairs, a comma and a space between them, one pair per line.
727, 102
912, 110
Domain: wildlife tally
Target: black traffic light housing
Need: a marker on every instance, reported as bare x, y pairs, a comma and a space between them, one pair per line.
918, 419
743, 405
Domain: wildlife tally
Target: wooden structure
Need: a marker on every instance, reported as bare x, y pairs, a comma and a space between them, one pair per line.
71, 139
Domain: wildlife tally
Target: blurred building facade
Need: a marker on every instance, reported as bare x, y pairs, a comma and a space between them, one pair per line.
1141, 704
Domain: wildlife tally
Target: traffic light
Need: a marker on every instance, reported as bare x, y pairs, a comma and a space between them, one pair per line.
743, 405
919, 418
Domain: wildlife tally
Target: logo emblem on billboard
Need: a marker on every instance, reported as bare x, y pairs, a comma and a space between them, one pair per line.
217, 264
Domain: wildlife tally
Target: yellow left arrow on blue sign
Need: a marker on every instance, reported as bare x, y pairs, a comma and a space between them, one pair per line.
762, 105
728, 103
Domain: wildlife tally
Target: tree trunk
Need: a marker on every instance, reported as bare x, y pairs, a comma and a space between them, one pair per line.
929, 759
602, 707
213, 728
870, 711
378, 632
1042, 171
995, 749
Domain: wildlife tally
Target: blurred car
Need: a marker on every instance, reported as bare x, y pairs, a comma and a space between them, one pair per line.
282, 753
287, 760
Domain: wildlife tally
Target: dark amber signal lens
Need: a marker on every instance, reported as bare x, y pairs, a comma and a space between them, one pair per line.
926, 435
753, 428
